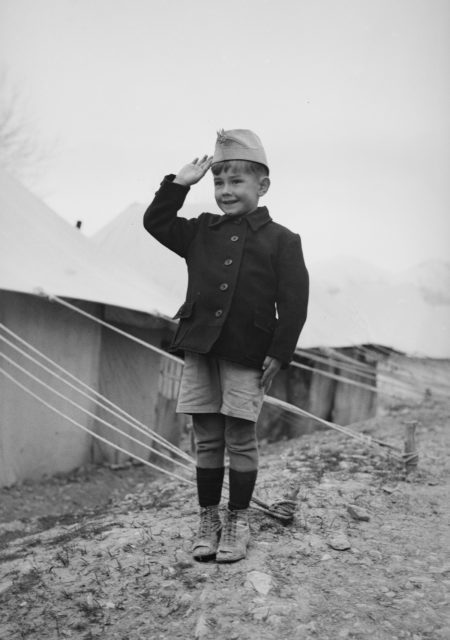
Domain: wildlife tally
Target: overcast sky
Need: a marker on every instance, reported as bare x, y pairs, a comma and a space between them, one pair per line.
350, 97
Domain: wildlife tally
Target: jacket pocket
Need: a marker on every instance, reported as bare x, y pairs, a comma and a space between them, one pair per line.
263, 321
185, 311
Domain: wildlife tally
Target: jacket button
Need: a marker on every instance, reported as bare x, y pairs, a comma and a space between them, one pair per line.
228, 261
223, 286
234, 238
218, 313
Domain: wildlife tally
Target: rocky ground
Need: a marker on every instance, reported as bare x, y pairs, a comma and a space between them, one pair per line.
367, 555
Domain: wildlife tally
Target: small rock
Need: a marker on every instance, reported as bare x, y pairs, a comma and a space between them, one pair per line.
261, 582
325, 557
156, 529
420, 579
314, 541
7, 584
358, 513
388, 489
183, 559
274, 620
261, 613
202, 627
339, 542
441, 570
13, 526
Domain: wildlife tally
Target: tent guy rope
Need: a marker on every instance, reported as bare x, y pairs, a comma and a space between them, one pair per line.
90, 413
92, 433
369, 440
68, 305
104, 402
282, 510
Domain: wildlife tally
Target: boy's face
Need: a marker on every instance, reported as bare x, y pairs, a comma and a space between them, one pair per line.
237, 192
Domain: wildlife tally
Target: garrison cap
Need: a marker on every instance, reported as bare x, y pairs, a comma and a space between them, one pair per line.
239, 144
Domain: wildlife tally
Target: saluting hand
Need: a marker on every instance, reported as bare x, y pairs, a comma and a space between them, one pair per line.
194, 171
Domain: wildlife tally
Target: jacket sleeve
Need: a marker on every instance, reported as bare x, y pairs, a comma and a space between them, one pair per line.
161, 219
292, 301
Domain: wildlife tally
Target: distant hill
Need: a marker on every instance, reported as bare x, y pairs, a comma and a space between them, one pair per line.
338, 274
432, 278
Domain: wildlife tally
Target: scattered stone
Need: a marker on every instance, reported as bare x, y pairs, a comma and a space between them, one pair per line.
182, 559
261, 582
261, 613
12, 527
388, 489
202, 627
339, 542
7, 584
441, 570
358, 513
315, 542
421, 579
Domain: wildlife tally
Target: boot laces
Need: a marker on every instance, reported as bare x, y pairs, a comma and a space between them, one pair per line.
229, 534
208, 521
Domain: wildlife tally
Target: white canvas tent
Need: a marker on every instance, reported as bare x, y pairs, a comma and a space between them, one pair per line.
40, 252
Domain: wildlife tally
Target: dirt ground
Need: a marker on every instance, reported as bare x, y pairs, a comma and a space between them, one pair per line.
104, 553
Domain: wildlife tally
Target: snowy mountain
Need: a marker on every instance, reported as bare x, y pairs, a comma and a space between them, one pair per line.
409, 310
432, 278
339, 273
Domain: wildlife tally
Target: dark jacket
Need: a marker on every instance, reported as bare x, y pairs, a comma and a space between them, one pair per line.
247, 292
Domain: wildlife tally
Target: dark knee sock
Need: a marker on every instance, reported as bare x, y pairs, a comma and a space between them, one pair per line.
242, 484
209, 485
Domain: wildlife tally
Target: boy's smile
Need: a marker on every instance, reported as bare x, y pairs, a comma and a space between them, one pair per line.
237, 192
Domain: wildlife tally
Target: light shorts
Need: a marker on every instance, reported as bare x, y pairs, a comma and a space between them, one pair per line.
213, 385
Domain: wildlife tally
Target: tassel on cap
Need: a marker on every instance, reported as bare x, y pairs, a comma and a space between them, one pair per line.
221, 137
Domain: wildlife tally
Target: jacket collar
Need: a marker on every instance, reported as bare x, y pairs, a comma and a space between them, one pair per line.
256, 219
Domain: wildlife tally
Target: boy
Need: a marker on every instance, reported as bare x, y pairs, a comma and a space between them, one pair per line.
245, 306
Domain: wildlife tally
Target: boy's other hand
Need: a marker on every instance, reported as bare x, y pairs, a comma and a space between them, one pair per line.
194, 171
271, 367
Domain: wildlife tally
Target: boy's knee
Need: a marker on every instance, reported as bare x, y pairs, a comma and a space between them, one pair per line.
239, 431
241, 443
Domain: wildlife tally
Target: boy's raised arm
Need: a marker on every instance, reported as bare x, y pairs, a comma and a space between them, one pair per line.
160, 218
